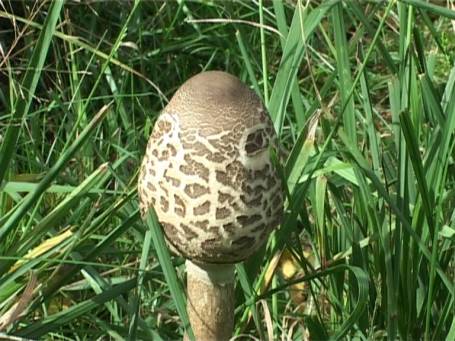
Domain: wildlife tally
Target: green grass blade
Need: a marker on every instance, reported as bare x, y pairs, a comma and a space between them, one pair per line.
370, 127
32, 197
300, 30
249, 294
40, 328
296, 95
439, 10
344, 71
29, 84
357, 11
363, 164
412, 145
164, 258
52, 219
362, 293
263, 55
248, 64
362, 299
132, 332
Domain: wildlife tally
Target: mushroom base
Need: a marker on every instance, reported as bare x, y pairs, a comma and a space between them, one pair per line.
210, 303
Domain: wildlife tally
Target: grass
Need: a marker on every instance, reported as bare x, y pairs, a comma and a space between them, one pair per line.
362, 95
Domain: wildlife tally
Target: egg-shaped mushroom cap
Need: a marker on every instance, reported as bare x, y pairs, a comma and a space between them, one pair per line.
207, 170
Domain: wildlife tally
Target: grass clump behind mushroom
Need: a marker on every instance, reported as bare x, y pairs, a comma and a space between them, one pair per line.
362, 99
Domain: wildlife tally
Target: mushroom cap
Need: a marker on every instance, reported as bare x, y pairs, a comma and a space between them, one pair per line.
207, 171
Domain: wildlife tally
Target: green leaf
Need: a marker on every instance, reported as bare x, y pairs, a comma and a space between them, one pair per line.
447, 232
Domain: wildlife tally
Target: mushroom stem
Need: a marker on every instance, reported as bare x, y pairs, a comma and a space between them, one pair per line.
210, 303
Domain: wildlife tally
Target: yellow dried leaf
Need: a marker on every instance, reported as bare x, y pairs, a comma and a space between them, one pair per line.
45, 246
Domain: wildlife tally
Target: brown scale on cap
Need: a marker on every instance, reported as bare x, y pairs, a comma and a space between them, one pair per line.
207, 170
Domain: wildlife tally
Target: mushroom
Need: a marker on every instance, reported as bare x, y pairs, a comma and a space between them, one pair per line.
207, 172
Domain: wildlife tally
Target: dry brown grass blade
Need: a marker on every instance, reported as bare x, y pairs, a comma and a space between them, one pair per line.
268, 319
21, 305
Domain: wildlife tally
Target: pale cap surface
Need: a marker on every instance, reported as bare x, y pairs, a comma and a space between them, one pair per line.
207, 170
